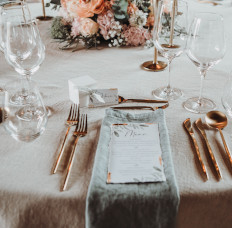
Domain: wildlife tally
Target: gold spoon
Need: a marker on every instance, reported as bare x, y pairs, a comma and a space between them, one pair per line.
123, 100
218, 120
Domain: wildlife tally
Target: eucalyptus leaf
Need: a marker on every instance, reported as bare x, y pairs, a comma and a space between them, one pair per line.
120, 10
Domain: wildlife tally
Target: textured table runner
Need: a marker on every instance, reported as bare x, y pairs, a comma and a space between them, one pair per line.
140, 205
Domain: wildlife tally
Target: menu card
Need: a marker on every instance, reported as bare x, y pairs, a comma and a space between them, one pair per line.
135, 154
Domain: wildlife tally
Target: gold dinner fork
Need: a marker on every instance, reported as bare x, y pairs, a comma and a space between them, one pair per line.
73, 118
80, 131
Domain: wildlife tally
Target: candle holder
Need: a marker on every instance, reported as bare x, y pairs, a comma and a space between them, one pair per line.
154, 65
44, 17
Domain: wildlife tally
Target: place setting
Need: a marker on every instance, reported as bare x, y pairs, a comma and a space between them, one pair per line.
134, 144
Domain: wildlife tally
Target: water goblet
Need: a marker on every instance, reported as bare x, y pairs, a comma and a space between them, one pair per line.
170, 35
205, 48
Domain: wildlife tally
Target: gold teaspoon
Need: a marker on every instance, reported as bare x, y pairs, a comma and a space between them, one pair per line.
218, 120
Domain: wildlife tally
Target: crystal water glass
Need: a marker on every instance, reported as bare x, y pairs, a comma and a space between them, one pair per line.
205, 48
170, 35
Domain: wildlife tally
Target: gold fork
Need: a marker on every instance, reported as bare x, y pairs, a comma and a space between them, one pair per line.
73, 118
80, 131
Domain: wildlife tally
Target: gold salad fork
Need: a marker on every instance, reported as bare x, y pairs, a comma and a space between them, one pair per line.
80, 131
73, 118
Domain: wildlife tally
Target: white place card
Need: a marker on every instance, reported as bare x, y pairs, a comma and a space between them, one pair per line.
135, 154
103, 97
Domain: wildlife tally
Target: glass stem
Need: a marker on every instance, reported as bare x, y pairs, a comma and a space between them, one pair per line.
169, 73
25, 82
203, 74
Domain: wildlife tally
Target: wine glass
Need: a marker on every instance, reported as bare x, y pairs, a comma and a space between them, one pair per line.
205, 48
170, 37
24, 122
9, 9
227, 96
25, 51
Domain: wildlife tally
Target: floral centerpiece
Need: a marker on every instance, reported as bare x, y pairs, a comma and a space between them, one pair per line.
116, 22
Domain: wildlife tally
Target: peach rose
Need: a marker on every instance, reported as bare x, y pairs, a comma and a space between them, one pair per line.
88, 27
89, 8
83, 8
150, 21
70, 7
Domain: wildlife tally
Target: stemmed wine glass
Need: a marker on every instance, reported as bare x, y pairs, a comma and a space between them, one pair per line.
25, 51
170, 37
205, 48
7, 10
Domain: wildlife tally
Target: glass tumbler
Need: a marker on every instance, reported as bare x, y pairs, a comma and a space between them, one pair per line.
24, 121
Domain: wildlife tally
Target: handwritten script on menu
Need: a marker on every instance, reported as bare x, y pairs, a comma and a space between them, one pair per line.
135, 154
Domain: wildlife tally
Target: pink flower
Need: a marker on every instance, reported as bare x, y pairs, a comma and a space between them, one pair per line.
88, 27
104, 21
136, 36
75, 27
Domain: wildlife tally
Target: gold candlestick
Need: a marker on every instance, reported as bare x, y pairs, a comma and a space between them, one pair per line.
44, 17
154, 65
172, 22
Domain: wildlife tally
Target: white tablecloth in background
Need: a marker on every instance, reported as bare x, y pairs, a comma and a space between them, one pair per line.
30, 196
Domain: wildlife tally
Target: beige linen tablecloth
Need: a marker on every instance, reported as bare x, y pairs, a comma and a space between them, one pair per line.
30, 196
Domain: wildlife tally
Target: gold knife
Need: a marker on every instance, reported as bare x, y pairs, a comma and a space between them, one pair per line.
188, 126
200, 127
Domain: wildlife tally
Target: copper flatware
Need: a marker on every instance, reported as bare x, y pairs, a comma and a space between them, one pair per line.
218, 120
123, 100
201, 129
72, 119
153, 108
188, 126
80, 131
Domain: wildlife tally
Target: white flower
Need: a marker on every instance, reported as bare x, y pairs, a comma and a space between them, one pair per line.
138, 19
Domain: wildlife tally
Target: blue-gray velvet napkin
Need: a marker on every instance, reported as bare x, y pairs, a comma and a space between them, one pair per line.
134, 205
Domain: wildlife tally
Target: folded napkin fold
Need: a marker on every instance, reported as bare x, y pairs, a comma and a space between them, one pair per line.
140, 205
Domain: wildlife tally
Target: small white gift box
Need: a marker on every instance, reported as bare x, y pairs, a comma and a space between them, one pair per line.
78, 90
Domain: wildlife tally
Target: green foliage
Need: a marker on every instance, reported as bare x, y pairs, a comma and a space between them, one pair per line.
144, 5
120, 10
56, 2
58, 29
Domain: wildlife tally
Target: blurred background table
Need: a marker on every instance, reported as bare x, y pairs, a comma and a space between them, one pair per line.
30, 196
